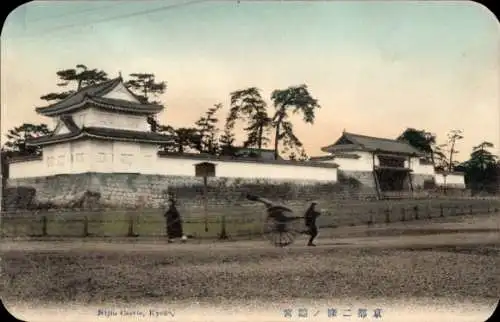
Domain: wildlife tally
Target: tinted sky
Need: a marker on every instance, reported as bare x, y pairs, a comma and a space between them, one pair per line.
375, 67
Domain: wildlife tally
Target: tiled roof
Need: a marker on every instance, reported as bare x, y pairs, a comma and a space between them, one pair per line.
356, 142
211, 158
93, 95
104, 134
264, 154
333, 157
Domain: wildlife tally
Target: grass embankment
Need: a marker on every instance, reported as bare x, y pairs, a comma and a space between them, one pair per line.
240, 221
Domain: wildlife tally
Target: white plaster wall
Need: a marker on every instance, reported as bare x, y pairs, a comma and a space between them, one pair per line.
427, 169
27, 169
186, 167
99, 118
66, 158
252, 170
149, 157
125, 157
57, 158
81, 155
454, 179
101, 156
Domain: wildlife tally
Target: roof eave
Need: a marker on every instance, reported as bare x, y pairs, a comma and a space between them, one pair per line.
99, 137
322, 158
54, 140
51, 112
139, 140
149, 107
332, 149
413, 154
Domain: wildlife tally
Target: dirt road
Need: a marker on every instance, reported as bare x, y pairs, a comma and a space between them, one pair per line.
378, 270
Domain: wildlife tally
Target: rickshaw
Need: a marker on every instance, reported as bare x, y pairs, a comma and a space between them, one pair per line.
281, 227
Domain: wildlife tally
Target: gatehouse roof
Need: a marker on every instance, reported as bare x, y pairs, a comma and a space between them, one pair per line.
94, 95
356, 142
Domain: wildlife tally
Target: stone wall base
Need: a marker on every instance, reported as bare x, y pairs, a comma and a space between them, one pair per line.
357, 184
129, 190
123, 190
419, 181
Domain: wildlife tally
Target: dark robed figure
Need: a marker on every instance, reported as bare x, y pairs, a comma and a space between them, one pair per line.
310, 221
174, 221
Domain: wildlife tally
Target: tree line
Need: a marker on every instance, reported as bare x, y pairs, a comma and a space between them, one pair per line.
262, 125
482, 169
205, 136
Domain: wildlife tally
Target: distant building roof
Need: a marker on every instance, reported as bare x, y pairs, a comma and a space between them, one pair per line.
94, 95
211, 158
335, 156
102, 133
263, 154
356, 142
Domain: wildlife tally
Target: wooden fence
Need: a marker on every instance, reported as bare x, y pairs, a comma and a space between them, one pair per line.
236, 221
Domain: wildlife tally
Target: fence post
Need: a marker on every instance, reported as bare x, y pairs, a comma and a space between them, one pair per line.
417, 216
370, 220
223, 233
441, 210
403, 214
470, 209
85, 226
131, 226
387, 215
44, 225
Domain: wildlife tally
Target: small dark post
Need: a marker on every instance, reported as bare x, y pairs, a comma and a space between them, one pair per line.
470, 209
205, 202
429, 211
417, 217
441, 210
205, 170
223, 233
85, 226
370, 220
387, 215
130, 226
44, 225
403, 214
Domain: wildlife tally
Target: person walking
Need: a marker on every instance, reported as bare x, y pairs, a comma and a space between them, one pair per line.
173, 221
310, 220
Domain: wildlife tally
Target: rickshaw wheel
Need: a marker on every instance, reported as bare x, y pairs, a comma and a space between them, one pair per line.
281, 233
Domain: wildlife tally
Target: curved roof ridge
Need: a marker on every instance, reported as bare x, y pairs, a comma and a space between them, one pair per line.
370, 137
95, 93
